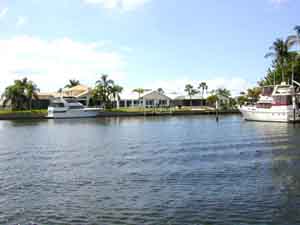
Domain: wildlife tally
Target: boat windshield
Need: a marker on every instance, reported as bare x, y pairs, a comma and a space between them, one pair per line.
267, 91
264, 105
283, 100
57, 105
70, 100
76, 107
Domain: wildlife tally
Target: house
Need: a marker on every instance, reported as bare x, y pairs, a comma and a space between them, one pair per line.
149, 99
184, 100
81, 92
43, 100
155, 99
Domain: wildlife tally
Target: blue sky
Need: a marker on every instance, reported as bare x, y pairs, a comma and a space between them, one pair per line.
142, 43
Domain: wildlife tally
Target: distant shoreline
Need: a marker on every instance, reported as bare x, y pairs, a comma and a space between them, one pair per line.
36, 115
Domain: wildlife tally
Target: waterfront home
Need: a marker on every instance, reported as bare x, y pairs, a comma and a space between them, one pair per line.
80, 92
43, 100
149, 99
185, 100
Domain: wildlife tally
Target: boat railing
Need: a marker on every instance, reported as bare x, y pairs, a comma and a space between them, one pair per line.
296, 82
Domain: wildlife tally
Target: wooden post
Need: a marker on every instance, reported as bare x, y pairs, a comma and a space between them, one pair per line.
294, 96
217, 110
294, 107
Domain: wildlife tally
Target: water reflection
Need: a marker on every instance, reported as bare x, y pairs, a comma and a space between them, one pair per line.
284, 167
149, 170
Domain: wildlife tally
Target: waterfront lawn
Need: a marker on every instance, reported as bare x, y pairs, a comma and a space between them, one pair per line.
23, 112
172, 109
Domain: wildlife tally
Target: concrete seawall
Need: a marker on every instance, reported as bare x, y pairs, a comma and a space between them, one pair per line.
39, 116
22, 116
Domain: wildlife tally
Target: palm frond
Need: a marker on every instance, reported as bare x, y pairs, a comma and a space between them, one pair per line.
270, 54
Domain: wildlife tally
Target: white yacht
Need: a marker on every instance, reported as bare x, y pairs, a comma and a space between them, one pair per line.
279, 103
70, 108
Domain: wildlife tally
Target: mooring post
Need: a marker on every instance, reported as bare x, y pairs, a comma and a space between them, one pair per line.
294, 109
217, 111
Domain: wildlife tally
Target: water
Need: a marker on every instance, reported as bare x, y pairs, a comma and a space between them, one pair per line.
162, 170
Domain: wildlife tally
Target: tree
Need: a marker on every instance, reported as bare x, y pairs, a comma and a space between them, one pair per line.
280, 53
72, 83
212, 99
225, 93
253, 93
241, 100
274, 73
222, 92
116, 90
285, 63
139, 91
189, 89
20, 94
103, 90
202, 87
161, 91
31, 92
294, 39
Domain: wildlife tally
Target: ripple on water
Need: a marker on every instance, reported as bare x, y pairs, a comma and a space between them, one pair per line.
170, 170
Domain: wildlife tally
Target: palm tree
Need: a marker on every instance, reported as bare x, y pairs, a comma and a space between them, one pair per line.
72, 83
279, 50
106, 86
202, 87
253, 93
189, 89
295, 39
222, 92
161, 91
139, 91
12, 94
20, 94
116, 90
31, 93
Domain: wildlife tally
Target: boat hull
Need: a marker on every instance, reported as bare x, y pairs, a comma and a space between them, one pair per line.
274, 114
74, 113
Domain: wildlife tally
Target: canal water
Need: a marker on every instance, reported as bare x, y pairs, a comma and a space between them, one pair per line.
160, 171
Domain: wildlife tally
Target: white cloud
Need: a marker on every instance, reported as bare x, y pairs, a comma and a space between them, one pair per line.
126, 5
3, 12
278, 2
50, 63
21, 21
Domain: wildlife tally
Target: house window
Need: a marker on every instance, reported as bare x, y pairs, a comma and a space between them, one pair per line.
149, 102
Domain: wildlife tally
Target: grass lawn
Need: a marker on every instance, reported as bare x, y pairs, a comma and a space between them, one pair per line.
172, 109
21, 112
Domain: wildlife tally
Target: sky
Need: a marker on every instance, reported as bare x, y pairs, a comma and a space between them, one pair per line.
142, 43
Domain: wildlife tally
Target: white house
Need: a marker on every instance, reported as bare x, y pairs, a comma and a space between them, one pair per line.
149, 99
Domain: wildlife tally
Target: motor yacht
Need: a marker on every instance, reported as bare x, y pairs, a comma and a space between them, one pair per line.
278, 103
70, 108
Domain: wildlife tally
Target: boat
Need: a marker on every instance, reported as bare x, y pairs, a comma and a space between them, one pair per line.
70, 108
277, 103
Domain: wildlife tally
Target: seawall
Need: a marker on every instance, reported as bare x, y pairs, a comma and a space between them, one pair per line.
35, 116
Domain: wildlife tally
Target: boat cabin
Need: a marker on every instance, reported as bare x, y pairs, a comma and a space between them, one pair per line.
70, 103
280, 95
